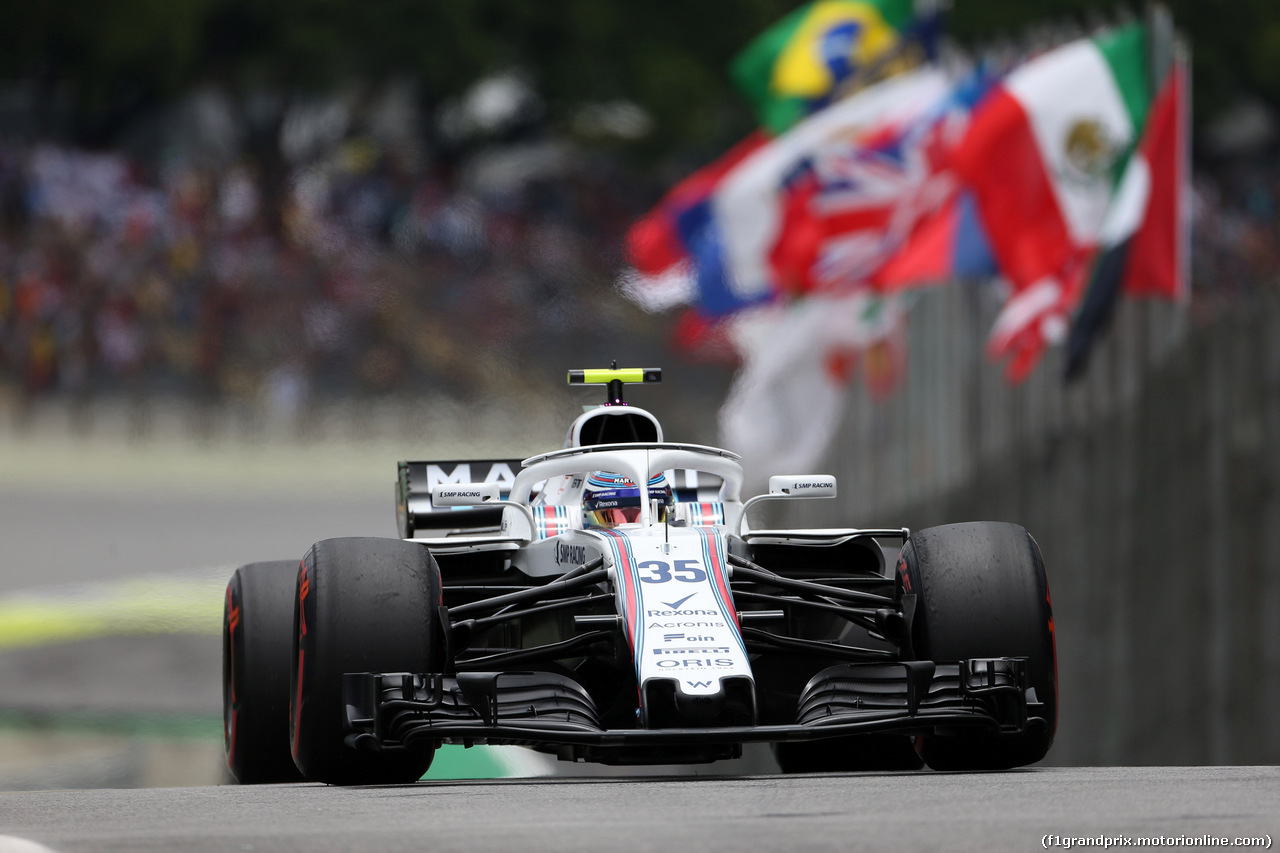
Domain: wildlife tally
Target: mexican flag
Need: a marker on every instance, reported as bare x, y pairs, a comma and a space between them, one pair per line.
1043, 156
1144, 239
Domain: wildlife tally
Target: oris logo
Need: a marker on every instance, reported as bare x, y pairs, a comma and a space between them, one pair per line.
696, 663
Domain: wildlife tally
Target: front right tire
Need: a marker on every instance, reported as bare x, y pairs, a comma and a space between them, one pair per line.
361, 605
257, 624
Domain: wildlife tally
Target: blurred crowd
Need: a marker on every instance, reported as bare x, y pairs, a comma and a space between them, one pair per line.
366, 277
1235, 230
369, 276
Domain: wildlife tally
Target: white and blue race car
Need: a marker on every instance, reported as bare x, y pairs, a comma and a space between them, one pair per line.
612, 602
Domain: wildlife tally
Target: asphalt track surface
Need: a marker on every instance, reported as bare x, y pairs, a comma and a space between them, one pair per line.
896, 812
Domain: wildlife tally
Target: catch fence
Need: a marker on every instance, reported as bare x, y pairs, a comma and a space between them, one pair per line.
1152, 486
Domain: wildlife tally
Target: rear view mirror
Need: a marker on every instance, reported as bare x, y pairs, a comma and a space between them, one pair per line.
787, 486
483, 494
805, 486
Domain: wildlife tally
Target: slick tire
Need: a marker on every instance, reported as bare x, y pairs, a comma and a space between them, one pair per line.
257, 627
858, 754
981, 591
361, 605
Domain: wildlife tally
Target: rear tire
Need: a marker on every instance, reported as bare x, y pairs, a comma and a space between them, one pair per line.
362, 605
981, 591
257, 625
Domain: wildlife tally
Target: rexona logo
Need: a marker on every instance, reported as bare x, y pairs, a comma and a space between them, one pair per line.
671, 613
574, 554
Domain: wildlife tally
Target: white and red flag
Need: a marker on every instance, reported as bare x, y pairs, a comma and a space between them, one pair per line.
798, 360
1043, 156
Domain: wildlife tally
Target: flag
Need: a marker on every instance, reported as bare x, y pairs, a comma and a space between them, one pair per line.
674, 250
832, 189
885, 209
818, 53
1043, 155
1142, 237
705, 339
948, 244
799, 358
714, 239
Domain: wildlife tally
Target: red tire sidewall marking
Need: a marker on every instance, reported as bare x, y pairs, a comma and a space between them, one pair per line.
233, 622
305, 600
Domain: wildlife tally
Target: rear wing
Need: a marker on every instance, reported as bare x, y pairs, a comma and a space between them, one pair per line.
416, 515
414, 511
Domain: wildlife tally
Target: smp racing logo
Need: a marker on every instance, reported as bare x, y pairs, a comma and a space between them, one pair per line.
574, 555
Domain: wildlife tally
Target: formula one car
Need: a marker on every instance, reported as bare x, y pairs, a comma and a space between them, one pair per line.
612, 602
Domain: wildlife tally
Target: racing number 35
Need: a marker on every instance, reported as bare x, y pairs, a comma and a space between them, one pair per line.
685, 571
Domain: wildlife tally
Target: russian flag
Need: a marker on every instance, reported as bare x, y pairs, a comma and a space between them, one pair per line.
675, 250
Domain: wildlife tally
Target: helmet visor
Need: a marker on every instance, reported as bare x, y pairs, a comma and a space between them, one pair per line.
611, 500
612, 517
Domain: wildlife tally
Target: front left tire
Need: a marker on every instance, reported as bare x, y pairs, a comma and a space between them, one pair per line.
981, 591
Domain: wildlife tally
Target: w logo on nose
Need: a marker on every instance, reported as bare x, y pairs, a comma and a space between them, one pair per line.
698, 683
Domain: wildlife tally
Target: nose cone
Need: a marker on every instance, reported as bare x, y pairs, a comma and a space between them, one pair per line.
700, 707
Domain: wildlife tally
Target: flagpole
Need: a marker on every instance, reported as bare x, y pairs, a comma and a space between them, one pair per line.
1160, 48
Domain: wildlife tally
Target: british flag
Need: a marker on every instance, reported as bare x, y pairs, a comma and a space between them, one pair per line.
859, 202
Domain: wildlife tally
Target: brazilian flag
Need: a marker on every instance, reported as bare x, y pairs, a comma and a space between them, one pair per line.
821, 52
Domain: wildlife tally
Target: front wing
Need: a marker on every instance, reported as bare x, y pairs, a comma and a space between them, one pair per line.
389, 711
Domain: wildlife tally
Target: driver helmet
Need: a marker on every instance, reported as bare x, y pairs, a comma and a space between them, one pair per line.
611, 499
